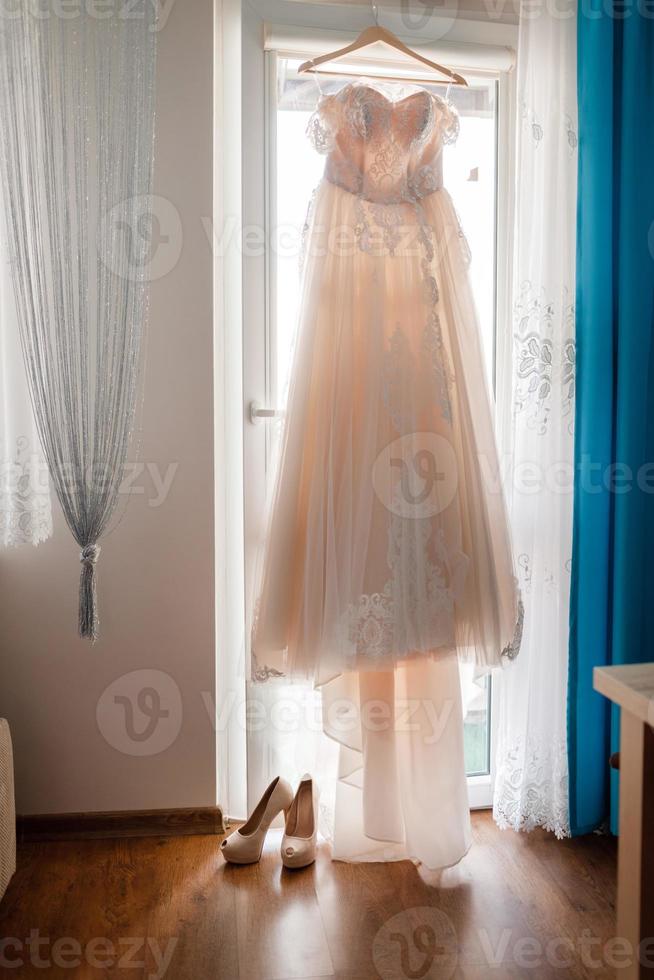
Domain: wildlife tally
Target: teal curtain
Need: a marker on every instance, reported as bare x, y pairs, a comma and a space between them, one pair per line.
612, 597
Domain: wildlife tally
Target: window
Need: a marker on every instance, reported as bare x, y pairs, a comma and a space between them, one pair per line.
267, 181
471, 177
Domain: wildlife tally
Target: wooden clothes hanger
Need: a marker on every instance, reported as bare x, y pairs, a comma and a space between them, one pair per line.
371, 35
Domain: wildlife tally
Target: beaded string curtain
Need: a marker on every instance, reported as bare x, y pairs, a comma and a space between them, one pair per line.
76, 153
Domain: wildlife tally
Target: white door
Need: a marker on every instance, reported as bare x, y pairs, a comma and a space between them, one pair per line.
280, 170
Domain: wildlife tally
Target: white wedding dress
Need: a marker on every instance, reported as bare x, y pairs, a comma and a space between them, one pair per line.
388, 554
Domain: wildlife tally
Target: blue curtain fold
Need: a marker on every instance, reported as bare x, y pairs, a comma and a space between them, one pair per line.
612, 592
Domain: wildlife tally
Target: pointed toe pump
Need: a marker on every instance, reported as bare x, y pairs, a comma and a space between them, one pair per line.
300, 834
244, 846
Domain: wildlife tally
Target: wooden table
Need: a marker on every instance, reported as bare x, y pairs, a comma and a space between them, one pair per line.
632, 688
7, 809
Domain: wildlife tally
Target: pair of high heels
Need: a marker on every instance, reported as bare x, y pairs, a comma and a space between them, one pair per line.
298, 848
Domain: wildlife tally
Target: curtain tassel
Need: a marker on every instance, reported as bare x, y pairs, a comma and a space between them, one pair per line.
88, 598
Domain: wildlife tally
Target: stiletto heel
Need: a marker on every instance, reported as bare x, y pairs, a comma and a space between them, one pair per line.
301, 831
244, 846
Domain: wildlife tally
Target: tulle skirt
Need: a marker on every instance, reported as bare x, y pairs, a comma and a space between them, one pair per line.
388, 552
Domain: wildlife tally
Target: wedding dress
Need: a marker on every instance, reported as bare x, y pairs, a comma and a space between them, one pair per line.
388, 553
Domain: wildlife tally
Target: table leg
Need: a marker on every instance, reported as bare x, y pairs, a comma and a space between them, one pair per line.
636, 843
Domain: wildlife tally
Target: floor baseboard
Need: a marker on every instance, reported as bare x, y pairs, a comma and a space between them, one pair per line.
122, 823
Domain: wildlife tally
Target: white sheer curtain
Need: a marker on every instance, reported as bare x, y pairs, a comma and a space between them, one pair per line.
536, 398
25, 511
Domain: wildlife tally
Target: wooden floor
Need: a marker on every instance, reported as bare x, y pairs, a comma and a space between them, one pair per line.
137, 908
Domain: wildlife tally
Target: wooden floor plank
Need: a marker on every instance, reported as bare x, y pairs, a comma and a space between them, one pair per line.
279, 926
189, 916
355, 901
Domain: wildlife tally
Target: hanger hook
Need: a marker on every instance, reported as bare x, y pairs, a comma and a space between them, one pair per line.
375, 12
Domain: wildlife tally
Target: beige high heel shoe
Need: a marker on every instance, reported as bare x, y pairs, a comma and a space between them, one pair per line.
244, 846
301, 831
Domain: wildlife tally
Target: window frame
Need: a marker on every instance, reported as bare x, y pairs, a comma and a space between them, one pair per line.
244, 84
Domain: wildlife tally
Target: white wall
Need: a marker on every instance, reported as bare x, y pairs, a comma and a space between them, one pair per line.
156, 580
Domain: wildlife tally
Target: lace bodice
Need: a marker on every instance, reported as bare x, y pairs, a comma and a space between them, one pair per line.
382, 144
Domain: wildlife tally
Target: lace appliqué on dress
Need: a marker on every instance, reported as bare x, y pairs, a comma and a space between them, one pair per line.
262, 673
387, 133
512, 649
415, 609
389, 220
320, 133
432, 345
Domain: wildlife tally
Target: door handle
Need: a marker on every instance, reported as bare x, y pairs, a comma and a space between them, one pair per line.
258, 413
